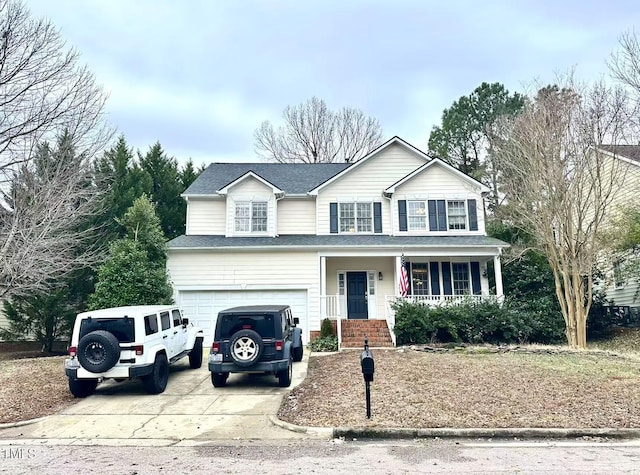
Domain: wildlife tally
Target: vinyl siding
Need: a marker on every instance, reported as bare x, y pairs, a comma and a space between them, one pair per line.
296, 216
438, 183
4, 323
202, 270
627, 189
367, 182
206, 216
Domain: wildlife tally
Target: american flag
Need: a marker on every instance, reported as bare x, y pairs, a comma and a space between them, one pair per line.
404, 278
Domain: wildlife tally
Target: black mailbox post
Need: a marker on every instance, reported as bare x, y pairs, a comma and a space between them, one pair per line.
368, 368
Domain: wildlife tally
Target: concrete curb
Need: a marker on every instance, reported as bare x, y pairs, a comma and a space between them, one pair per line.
327, 432
442, 432
8, 425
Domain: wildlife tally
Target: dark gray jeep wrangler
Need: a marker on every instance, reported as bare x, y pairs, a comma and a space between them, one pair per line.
257, 338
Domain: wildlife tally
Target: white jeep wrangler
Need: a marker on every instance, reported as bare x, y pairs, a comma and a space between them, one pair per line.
130, 342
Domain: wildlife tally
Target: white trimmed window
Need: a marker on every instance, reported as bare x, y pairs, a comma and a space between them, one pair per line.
417, 215
457, 214
355, 217
460, 278
618, 277
251, 216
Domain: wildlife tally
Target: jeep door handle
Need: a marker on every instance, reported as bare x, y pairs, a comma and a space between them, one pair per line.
175, 332
165, 336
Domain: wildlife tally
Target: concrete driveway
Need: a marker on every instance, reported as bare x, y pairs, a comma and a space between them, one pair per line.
189, 409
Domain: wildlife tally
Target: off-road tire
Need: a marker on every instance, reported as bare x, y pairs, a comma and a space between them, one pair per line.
245, 347
98, 351
285, 376
195, 355
156, 382
219, 379
297, 353
82, 387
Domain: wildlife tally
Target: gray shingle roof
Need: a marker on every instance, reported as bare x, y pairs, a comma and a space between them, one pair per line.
331, 241
292, 178
628, 151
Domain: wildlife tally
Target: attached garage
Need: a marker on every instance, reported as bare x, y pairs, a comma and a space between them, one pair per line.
202, 306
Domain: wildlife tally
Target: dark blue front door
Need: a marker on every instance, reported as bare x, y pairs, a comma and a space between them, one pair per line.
357, 307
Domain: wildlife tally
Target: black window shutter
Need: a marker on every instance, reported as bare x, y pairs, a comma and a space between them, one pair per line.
402, 215
333, 217
435, 280
433, 218
377, 217
475, 278
442, 215
446, 278
473, 215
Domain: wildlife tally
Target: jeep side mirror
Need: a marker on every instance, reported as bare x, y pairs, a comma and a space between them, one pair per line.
185, 322
296, 320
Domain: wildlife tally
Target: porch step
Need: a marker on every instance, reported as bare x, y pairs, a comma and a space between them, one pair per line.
355, 331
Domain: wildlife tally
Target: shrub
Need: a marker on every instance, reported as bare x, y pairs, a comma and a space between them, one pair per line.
486, 322
326, 328
327, 343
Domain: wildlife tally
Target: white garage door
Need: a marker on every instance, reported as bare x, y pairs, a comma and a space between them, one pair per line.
202, 307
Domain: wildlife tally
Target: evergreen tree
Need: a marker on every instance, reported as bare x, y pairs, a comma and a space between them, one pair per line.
123, 181
134, 273
165, 189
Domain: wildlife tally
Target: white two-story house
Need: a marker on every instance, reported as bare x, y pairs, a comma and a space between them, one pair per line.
330, 239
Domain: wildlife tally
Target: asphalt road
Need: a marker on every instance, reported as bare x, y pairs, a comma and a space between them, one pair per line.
335, 456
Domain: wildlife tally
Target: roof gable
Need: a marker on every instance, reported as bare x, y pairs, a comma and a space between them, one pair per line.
393, 141
432, 163
249, 175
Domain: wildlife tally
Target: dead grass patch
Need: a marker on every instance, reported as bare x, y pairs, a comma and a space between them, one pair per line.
468, 389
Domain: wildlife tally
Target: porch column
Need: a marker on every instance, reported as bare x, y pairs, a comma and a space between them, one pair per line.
323, 275
498, 273
396, 288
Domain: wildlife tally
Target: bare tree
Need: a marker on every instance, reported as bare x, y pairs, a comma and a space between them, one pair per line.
314, 134
43, 90
47, 232
625, 62
561, 187
44, 93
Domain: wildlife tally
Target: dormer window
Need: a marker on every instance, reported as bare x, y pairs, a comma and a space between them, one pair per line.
251, 216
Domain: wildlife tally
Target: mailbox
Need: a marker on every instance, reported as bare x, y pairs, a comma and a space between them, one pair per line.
366, 361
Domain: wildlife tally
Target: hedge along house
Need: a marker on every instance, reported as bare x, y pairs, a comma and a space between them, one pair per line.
330, 240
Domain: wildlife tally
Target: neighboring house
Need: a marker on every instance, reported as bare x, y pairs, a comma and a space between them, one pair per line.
621, 287
329, 239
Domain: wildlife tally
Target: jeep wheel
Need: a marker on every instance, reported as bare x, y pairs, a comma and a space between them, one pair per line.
82, 387
156, 382
285, 376
246, 347
98, 351
219, 379
195, 355
297, 353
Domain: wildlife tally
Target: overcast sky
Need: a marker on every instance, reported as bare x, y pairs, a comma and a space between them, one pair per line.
200, 76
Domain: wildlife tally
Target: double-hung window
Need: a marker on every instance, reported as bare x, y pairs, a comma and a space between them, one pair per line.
417, 215
251, 216
436, 215
460, 278
457, 214
356, 217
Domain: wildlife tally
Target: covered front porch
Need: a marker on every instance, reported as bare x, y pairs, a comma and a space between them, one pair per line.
363, 287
